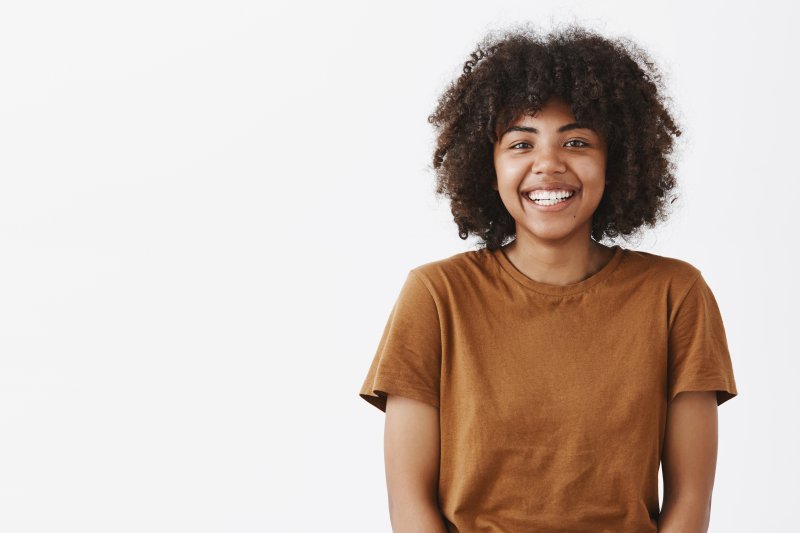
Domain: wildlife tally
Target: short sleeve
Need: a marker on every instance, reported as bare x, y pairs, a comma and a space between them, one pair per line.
698, 349
408, 359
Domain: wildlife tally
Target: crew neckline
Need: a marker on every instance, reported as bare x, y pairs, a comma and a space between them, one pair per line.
559, 290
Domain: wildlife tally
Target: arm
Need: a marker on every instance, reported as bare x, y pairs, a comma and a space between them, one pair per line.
411, 453
689, 462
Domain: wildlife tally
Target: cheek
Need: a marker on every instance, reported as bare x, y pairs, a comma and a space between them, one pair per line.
594, 174
508, 170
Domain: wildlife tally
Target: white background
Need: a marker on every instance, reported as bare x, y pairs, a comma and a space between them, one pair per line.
207, 210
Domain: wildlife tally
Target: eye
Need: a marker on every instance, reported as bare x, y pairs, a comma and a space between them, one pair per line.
583, 143
519, 143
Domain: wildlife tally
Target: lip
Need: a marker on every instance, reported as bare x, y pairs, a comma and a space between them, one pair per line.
556, 207
551, 186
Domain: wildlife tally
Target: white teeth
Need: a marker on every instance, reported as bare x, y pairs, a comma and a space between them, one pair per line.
550, 195
549, 202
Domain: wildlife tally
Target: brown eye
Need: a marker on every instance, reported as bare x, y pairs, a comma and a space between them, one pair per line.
578, 141
519, 143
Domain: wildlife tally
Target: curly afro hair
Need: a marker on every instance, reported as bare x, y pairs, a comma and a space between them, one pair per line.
612, 86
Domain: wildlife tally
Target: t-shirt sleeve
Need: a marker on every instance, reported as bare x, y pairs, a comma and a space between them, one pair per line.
408, 359
698, 349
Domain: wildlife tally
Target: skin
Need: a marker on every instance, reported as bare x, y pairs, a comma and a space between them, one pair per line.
411, 453
552, 247
689, 462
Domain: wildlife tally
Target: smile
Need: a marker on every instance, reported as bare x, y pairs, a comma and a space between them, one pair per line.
549, 201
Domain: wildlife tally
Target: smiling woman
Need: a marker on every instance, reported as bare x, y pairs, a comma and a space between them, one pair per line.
516, 396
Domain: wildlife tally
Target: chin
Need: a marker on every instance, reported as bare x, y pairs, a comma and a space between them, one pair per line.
555, 234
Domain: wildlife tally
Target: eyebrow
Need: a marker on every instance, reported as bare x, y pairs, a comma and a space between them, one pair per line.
565, 127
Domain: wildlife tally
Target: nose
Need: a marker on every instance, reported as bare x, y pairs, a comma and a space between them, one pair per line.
547, 160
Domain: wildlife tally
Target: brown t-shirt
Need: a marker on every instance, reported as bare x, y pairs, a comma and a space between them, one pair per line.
552, 399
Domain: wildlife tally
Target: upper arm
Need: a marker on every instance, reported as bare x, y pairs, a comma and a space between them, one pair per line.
411, 451
689, 457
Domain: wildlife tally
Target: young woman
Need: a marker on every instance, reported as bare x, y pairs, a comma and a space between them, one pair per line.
537, 382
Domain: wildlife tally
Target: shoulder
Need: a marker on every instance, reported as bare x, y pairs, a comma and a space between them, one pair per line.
457, 271
658, 278
661, 269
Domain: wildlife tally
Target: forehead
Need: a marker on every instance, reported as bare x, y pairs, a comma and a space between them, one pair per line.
553, 114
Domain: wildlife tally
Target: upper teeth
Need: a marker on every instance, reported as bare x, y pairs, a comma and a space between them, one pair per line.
549, 195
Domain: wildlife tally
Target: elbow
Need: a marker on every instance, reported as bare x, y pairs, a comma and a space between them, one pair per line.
416, 516
687, 514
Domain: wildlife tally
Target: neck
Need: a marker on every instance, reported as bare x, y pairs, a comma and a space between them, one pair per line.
558, 263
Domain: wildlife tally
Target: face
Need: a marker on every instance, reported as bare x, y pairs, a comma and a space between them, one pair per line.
558, 162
